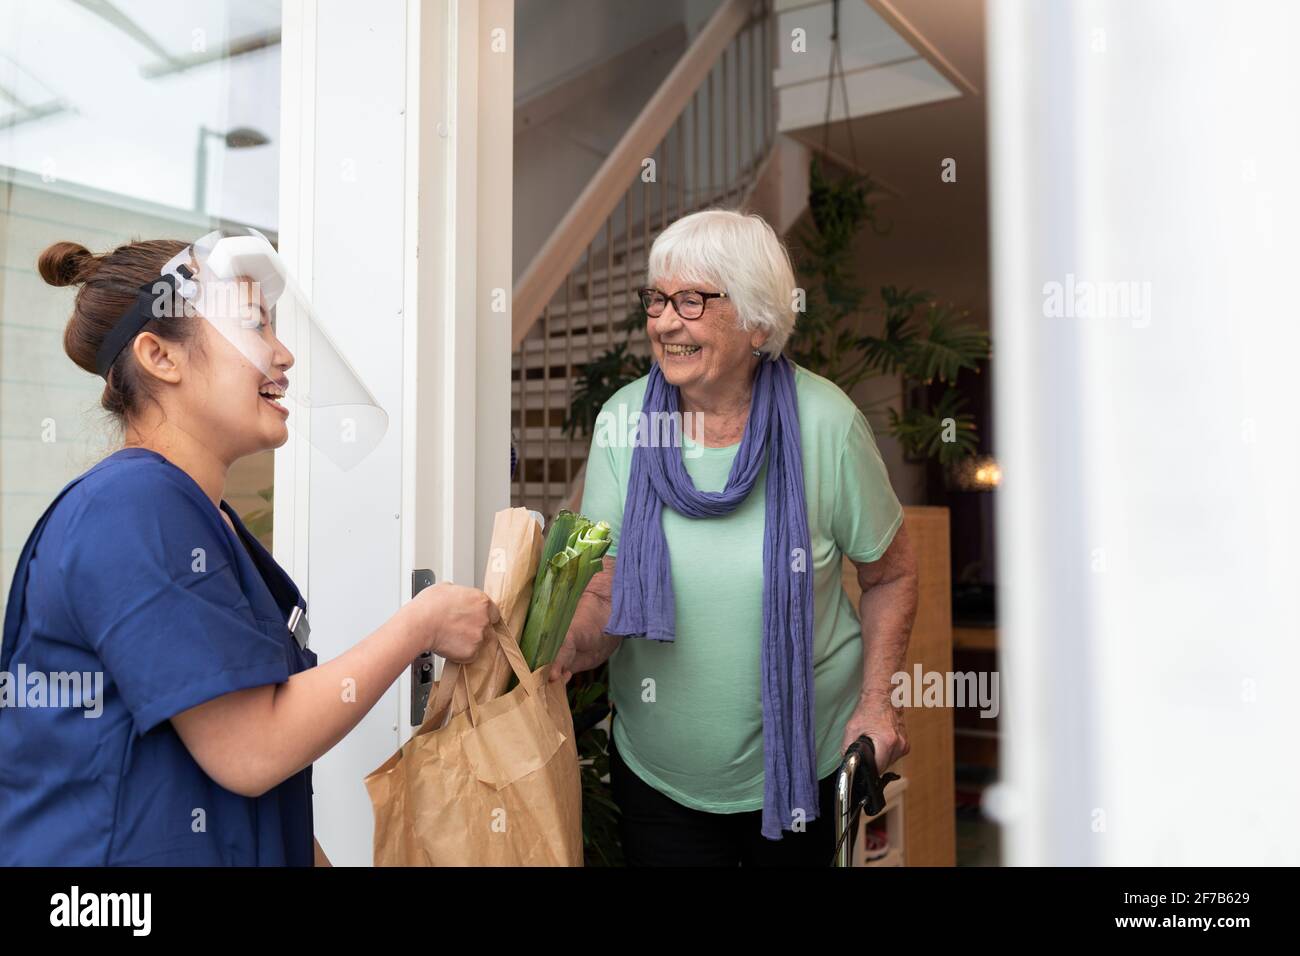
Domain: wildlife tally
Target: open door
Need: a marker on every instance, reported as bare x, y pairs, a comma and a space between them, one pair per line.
396, 217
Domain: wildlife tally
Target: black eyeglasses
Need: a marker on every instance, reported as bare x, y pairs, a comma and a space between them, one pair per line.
688, 303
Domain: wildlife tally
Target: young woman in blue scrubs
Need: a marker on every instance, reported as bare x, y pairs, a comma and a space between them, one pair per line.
211, 711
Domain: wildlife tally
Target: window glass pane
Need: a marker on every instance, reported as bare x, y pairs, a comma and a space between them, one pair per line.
119, 120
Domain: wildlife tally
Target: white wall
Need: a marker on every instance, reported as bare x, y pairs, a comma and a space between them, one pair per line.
562, 38
566, 39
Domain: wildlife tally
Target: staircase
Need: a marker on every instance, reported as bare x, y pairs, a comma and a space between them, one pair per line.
701, 141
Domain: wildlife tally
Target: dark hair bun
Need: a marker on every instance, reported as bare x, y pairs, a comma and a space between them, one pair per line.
64, 263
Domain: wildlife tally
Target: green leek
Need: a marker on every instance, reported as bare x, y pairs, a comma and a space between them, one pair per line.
571, 557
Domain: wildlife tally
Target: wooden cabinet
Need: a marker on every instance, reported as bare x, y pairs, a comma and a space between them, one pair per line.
929, 825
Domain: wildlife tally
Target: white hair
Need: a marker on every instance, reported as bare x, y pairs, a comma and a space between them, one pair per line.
735, 253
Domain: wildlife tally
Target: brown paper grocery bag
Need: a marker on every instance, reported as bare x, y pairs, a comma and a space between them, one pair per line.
513, 556
497, 785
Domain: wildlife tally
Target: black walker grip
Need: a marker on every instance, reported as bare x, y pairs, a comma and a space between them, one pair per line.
868, 785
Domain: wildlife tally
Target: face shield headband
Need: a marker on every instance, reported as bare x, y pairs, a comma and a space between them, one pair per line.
145, 309
237, 283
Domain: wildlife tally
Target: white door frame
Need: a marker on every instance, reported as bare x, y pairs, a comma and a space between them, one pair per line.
396, 170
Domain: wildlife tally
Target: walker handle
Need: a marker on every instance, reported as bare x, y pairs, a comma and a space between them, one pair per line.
858, 786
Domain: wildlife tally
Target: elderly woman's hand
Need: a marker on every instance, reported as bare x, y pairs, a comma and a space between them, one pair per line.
880, 720
583, 649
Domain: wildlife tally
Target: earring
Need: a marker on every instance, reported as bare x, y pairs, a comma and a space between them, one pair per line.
758, 353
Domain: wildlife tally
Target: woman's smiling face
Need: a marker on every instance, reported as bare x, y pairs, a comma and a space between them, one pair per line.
235, 393
698, 355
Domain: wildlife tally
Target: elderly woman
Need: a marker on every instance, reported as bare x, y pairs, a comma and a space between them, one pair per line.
738, 672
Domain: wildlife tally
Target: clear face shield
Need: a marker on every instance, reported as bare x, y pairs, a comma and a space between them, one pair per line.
236, 281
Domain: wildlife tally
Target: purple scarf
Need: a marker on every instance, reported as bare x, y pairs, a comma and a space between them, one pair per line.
643, 587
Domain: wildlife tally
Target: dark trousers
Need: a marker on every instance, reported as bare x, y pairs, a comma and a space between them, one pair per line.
658, 831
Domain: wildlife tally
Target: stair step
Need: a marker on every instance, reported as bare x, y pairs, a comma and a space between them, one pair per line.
557, 385
577, 316
582, 346
531, 495
621, 289
535, 436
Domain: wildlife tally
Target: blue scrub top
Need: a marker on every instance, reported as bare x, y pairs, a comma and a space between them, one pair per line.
132, 574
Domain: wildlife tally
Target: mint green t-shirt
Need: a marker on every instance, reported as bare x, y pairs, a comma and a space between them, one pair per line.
688, 713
